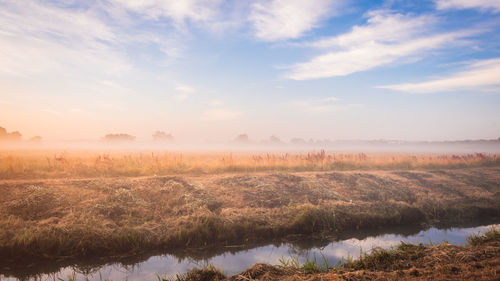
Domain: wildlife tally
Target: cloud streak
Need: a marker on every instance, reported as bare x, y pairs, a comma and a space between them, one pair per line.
288, 19
183, 92
177, 11
484, 5
477, 76
385, 39
36, 38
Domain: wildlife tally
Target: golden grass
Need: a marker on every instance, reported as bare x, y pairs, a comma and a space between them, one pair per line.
76, 164
57, 218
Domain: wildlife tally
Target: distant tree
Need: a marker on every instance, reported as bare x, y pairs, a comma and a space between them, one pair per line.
12, 136
298, 141
162, 136
274, 139
243, 138
36, 139
118, 137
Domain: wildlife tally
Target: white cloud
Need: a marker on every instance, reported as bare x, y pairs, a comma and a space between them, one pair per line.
468, 4
381, 26
31, 17
183, 92
36, 38
477, 76
284, 19
177, 11
220, 114
185, 89
386, 38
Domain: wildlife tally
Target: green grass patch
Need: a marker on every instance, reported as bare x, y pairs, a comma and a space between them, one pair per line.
492, 234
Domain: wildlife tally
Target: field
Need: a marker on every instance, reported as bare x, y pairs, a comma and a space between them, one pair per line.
57, 206
39, 164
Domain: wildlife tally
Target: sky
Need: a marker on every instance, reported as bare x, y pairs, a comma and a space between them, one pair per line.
210, 70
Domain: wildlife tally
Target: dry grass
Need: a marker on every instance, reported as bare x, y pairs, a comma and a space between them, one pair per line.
61, 218
57, 164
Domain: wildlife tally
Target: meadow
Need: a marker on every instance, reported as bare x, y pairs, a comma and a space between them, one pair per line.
63, 206
73, 203
33, 164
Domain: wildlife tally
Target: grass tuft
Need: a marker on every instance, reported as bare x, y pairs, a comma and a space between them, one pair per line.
492, 234
208, 273
310, 264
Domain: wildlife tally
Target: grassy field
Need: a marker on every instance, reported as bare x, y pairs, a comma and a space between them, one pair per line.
40, 164
51, 209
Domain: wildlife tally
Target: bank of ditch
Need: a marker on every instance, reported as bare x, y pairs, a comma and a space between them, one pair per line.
69, 218
479, 260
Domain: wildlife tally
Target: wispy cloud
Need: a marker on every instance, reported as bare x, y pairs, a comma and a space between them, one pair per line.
476, 76
177, 11
36, 38
220, 114
287, 19
381, 26
183, 92
41, 37
386, 38
484, 5
185, 89
215, 16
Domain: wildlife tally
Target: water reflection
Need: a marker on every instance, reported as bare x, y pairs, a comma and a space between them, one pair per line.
235, 260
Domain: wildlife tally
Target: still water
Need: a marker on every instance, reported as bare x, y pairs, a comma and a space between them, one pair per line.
236, 260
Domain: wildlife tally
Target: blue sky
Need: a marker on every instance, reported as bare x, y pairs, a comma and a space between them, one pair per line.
212, 69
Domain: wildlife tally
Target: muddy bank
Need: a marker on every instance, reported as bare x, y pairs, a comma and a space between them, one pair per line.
64, 218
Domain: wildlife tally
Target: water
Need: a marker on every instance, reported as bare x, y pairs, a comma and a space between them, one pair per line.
234, 260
